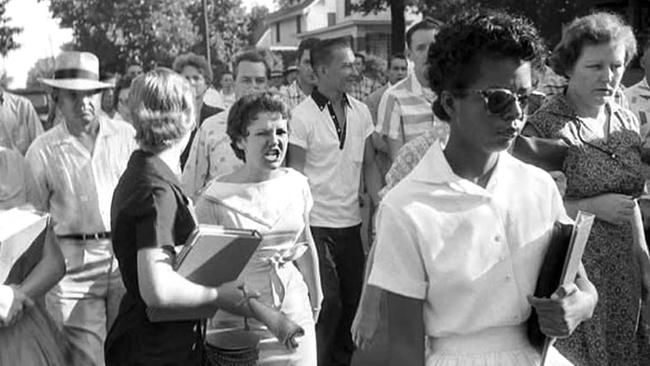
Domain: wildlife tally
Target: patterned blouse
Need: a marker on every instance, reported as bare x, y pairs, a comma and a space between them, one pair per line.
618, 155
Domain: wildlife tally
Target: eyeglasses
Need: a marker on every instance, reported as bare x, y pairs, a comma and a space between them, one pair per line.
500, 100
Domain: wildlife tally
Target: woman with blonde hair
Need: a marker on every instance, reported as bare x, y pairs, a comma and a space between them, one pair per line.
150, 215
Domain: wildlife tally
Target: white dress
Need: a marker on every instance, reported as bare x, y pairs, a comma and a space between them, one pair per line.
276, 208
471, 254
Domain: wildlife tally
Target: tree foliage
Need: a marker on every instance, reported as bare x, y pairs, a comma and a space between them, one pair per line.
43, 68
547, 15
7, 32
152, 32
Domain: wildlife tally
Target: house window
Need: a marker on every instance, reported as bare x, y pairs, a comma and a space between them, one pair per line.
277, 32
348, 8
331, 19
298, 29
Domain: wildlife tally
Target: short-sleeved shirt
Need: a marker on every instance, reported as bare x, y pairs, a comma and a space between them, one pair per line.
472, 254
16, 180
364, 87
405, 112
149, 210
293, 94
372, 101
75, 185
638, 96
407, 159
210, 155
334, 171
19, 123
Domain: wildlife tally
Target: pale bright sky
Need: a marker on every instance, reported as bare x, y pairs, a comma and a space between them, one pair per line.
42, 36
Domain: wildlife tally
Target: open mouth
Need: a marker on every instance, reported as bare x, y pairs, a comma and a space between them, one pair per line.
273, 155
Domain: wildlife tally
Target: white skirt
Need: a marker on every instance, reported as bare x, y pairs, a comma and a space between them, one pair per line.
504, 346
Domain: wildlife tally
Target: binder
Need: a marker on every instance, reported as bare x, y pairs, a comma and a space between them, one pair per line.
212, 255
19, 229
560, 267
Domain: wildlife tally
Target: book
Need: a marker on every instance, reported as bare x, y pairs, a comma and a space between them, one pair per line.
560, 267
212, 256
19, 229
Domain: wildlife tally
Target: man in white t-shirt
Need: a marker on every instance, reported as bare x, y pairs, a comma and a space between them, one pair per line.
330, 143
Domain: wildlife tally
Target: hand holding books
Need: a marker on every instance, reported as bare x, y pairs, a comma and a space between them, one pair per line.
560, 314
564, 297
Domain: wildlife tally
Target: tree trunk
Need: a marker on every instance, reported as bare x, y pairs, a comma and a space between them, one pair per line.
398, 27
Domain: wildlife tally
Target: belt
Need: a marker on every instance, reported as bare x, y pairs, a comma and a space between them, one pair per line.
91, 236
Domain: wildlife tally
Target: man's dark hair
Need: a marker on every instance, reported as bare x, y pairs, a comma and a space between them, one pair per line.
397, 55
361, 56
252, 56
322, 53
306, 44
426, 24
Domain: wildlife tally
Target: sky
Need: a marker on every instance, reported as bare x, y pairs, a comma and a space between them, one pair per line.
42, 36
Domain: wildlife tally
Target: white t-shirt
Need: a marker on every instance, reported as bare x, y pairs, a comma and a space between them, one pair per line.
334, 173
472, 254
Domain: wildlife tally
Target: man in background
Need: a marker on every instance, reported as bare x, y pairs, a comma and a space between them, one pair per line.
19, 122
76, 166
305, 81
330, 142
404, 111
364, 85
397, 71
210, 154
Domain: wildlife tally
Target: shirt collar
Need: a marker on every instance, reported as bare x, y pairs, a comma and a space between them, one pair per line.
321, 100
416, 87
152, 163
105, 127
420, 90
434, 169
559, 105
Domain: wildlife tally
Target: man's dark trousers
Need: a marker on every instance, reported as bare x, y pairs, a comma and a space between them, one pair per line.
341, 261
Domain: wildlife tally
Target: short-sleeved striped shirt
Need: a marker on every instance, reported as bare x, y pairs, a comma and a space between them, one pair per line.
405, 112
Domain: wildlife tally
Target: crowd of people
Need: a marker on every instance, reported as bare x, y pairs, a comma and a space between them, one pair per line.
461, 164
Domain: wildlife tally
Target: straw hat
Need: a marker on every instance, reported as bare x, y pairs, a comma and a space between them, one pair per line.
76, 71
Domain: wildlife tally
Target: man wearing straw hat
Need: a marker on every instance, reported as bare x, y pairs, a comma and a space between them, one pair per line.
76, 165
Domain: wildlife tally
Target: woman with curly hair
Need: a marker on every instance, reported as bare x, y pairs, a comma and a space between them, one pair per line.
274, 200
603, 170
460, 240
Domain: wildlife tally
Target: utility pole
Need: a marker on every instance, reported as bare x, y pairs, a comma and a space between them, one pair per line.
206, 31
397, 9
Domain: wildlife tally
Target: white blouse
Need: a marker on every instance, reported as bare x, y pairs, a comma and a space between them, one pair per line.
472, 254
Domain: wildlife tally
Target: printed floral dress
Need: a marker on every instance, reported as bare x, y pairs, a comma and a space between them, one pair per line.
595, 166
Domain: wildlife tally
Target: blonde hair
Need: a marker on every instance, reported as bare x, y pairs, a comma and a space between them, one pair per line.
162, 107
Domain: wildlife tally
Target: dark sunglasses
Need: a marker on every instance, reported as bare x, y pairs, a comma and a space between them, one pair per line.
499, 100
